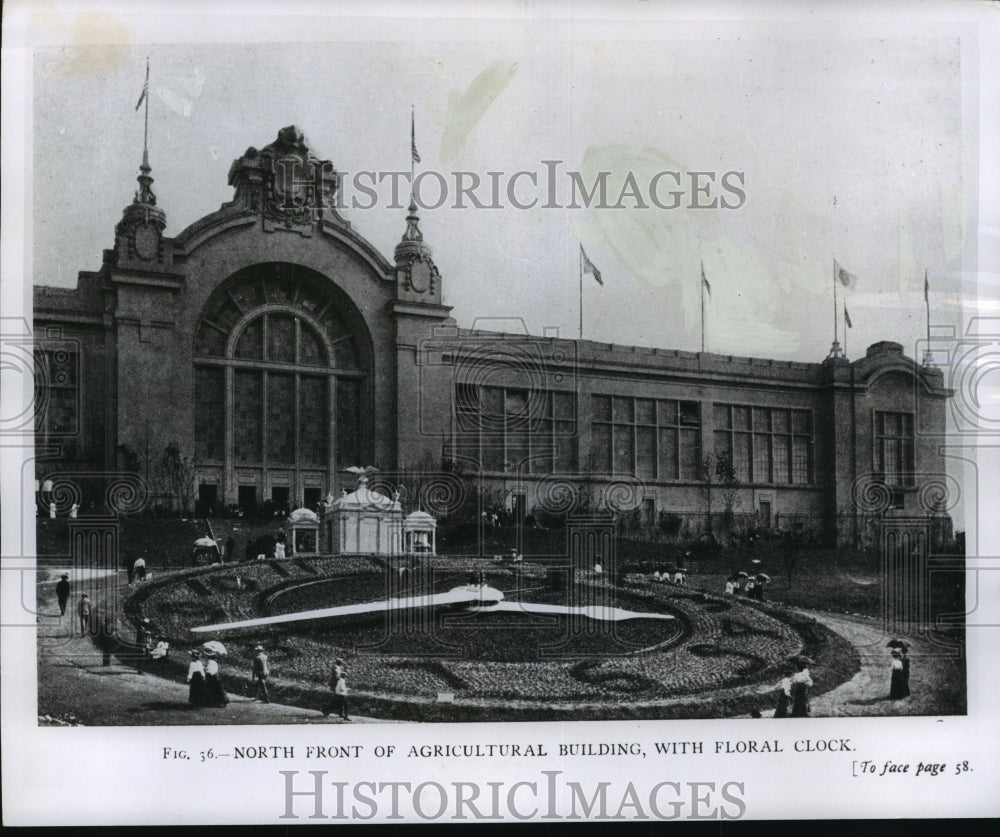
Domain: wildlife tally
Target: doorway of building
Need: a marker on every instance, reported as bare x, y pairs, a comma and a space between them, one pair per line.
765, 514
311, 498
208, 500
279, 496
246, 497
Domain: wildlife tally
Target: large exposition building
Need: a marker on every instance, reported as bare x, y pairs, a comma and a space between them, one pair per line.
275, 346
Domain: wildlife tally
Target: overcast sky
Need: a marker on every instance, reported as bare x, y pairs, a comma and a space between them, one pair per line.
850, 140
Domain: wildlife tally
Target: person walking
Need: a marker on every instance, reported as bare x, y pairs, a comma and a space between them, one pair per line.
139, 568
801, 682
340, 696
260, 674
144, 645
899, 686
784, 694
83, 611
104, 637
197, 693
213, 684
336, 673
62, 593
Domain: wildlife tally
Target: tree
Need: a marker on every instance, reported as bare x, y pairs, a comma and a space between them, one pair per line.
719, 476
707, 487
729, 485
176, 475
788, 552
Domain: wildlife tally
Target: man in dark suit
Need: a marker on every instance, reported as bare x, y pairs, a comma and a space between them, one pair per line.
62, 593
260, 674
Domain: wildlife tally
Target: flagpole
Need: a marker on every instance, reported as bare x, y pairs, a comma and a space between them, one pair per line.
845, 328
701, 287
928, 357
413, 144
145, 133
835, 330
581, 292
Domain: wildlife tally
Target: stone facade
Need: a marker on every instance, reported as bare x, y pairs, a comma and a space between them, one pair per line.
275, 347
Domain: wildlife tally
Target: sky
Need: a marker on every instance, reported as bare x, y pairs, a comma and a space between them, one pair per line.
854, 141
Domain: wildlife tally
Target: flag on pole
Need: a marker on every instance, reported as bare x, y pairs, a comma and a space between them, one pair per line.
847, 318
704, 281
415, 156
145, 88
588, 266
927, 288
846, 279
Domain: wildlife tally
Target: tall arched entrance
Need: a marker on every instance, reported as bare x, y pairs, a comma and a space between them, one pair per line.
282, 377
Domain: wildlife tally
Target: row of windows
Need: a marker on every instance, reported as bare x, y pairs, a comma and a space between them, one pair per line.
643, 437
274, 353
511, 428
300, 323
278, 418
765, 444
655, 439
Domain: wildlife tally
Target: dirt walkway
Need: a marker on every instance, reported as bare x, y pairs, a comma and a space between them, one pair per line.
74, 687
937, 675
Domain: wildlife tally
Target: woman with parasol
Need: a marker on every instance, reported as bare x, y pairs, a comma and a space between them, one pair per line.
785, 692
213, 680
899, 678
801, 682
762, 579
197, 694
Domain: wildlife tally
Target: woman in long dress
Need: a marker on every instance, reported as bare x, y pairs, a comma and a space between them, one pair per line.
198, 693
898, 686
213, 684
784, 694
801, 683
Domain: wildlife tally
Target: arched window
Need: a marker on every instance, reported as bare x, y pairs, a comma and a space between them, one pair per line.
281, 371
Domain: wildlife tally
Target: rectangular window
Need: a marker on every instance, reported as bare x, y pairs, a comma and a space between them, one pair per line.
516, 429
280, 422
894, 453
58, 407
767, 444
348, 428
647, 438
209, 414
312, 420
248, 413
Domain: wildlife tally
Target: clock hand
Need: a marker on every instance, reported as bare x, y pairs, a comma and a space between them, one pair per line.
468, 594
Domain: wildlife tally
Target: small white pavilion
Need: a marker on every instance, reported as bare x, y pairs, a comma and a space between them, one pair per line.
363, 522
420, 533
304, 525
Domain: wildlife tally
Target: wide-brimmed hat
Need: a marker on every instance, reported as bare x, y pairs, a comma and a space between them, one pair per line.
195, 653
259, 648
338, 661
64, 575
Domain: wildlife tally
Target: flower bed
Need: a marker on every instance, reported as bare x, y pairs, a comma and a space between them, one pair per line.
501, 662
